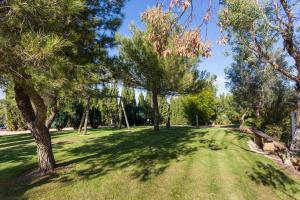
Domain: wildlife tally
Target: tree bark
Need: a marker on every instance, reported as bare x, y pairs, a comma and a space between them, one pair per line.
155, 110
35, 120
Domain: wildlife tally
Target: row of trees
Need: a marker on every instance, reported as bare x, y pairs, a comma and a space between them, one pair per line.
181, 110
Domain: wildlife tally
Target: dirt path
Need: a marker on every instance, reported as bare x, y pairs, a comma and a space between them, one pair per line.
6, 133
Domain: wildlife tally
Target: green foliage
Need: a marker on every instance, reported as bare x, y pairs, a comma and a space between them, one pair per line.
163, 109
13, 119
202, 104
141, 66
240, 14
61, 120
2, 112
109, 106
95, 117
177, 112
226, 110
274, 130
249, 77
75, 113
128, 97
141, 114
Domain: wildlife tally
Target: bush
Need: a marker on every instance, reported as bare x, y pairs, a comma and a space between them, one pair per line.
274, 131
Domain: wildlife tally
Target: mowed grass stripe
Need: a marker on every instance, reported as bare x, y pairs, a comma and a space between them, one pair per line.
176, 163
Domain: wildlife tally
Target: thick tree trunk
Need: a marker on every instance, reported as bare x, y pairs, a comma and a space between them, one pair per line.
295, 144
44, 149
35, 120
155, 110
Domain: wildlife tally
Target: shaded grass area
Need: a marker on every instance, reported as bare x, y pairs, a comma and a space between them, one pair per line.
179, 163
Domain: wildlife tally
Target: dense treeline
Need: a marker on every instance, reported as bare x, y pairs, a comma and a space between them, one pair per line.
106, 110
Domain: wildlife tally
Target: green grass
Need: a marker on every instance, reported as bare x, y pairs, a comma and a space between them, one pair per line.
180, 163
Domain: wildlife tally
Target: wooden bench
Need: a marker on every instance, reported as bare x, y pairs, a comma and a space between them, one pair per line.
263, 141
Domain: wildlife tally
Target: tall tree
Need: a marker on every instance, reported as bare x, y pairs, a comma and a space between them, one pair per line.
263, 26
249, 77
201, 106
159, 59
44, 46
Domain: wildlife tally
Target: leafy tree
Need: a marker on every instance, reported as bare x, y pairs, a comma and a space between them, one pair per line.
163, 109
2, 112
160, 59
227, 112
202, 105
248, 78
45, 46
177, 111
264, 27
11, 115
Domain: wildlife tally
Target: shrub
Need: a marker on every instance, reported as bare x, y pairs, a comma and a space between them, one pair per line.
275, 131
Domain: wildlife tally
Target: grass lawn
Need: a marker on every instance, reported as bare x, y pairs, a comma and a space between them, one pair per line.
180, 163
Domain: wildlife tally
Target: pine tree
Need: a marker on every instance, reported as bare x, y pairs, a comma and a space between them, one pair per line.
45, 47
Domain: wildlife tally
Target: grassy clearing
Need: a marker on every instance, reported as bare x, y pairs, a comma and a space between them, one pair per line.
180, 163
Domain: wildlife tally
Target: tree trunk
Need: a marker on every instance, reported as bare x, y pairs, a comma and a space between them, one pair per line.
125, 115
81, 123
242, 120
168, 124
87, 112
35, 120
44, 149
155, 110
295, 144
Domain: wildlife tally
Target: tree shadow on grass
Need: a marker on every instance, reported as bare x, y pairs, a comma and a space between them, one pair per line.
145, 153
212, 144
268, 175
